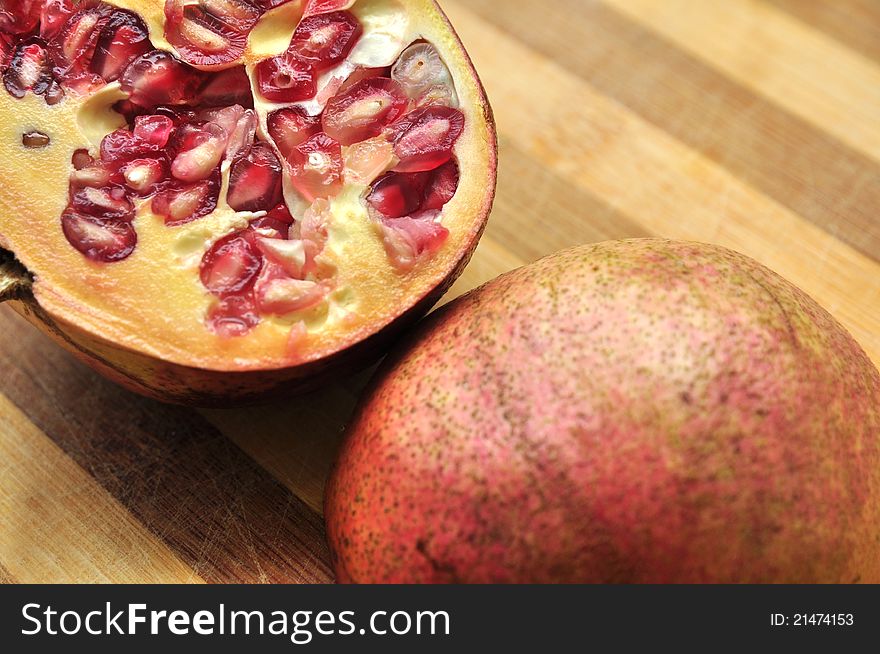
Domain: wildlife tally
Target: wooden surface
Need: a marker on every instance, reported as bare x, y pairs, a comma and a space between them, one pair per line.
753, 124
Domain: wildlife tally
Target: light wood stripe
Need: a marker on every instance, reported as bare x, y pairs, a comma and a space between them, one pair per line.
776, 152
855, 23
802, 70
225, 517
662, 184
59, 525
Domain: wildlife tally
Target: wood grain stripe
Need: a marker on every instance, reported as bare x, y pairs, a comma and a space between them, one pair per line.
855, 23
663, 185
223, 515
810, 75
810, 172
6, 576
58, 523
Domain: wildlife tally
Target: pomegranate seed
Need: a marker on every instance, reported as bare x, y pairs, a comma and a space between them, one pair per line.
121, 145
316, 167
122, 40
201, 38
97, 239
278, 220
441, 186
107, 203
53, 17
409, 239
158, 78
290, 255
239, 123
366, 160
184, 203
326, 39
278, 293
29, 69
420, 68
397, 194
19, 16
81, 158
155, 130
290, 127
255, 180
323, 6
424, 138
198, 151
74, 46
286, 79
363, 110
231, 265
96, 174
143, 176
238, 14
437, 95
227, 87
233, 315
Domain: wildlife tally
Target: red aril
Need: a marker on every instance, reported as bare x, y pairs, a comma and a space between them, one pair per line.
286, 79
314, 7
291, 126
419, 68
123, 39
239, 123
93, 173
325, 40
201, 38
198, 150
397, 194
278, 220
108, 203
278, 293
19, 16
183, 203
441, 186
367, 160
231, 265
233, 316
408, 239
74, 45
55, 13
238, 14
229, 86
97, 239
316, 167
143, 176
121, 145
363, 110
158, 78
153, 129
29, 69
424, 138
255, 180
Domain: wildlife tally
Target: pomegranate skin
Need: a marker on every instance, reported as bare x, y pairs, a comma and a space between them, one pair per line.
643, 411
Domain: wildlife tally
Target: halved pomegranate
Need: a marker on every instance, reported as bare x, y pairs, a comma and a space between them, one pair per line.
230, 213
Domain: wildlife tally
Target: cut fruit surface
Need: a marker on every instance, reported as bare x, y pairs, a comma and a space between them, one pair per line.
205, 201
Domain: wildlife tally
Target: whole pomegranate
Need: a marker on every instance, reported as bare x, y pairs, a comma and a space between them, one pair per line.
216, 200
634, 411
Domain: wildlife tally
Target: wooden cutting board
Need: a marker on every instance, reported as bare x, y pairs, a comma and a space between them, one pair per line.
753, 124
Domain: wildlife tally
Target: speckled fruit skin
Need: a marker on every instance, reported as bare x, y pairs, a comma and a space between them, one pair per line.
635, 411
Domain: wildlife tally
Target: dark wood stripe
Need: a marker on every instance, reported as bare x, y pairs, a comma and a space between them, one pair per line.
6, 576
564, 216
214, 507
855, 23
776, 152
